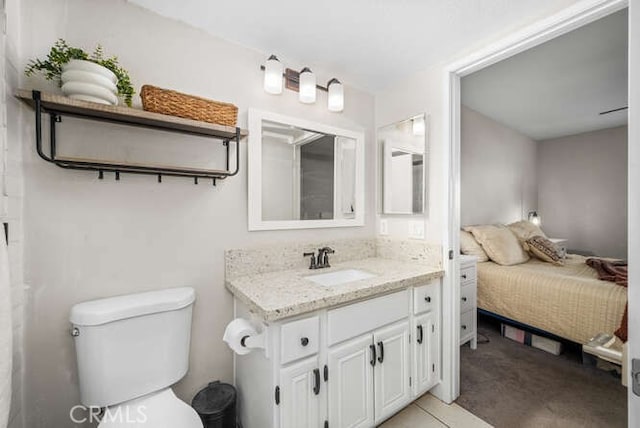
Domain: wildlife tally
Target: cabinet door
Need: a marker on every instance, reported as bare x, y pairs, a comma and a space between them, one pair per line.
351, 384
426, 353
299, 394
391, 376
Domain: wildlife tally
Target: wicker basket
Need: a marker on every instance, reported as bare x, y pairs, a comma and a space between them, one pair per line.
174, 103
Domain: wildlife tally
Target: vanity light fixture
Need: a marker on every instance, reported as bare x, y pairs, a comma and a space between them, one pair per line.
417, 125
335, 100
534, 218
307, 93
303, 82
273, 76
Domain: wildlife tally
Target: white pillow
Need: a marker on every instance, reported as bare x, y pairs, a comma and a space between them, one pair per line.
469, 246
500, 243
524, 230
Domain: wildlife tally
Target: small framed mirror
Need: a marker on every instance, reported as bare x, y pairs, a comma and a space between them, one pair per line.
303, 174
403, 148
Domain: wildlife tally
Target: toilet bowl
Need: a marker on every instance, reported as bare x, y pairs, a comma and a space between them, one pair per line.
130, 350
160, 409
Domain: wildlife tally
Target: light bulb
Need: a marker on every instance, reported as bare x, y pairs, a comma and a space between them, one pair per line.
335, 100
273, 76
307, 94
418, 125
534, 218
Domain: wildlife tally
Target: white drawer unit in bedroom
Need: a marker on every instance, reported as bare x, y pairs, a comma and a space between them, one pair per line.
468, 301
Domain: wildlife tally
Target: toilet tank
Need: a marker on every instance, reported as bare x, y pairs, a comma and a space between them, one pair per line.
129, 346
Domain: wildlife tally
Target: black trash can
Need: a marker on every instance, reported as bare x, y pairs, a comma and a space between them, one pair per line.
216, 405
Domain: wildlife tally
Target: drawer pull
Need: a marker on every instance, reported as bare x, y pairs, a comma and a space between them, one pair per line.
316, 379
464, 327
464, 276
304, 341
381, 356
373, 354
464, 299
420, 334
427, 299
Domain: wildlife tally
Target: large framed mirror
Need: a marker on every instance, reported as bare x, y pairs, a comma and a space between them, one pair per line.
303, 174
403, 149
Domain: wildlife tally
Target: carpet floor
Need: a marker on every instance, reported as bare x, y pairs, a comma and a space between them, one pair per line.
513, 385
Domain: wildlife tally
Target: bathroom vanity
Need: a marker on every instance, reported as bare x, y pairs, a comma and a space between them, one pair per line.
338, 351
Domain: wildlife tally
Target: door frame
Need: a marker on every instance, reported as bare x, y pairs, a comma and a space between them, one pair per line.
578, 15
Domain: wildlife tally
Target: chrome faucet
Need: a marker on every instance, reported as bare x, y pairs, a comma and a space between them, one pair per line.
321, 260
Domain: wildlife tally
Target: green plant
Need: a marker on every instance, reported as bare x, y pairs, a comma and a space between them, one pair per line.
61, 53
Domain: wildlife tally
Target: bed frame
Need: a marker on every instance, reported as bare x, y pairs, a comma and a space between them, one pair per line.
527, 327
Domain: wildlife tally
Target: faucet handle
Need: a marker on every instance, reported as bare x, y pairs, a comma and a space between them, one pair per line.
312, 259
325, 255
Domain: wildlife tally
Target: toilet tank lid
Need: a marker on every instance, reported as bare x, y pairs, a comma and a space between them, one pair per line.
111, 309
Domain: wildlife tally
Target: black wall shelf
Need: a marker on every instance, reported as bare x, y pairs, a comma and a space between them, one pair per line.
57, 106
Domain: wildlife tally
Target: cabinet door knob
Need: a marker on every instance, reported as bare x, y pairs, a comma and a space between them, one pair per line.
464, 327
464, 276
464, 299
304, 341
427, 299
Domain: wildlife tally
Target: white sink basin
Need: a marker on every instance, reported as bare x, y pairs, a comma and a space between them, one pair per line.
339, 277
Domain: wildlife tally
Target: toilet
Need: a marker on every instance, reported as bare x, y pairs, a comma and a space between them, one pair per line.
130, 350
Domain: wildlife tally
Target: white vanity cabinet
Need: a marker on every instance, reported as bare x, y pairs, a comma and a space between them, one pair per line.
350, 366
426, 334
299, 384
369, 377
351, 396
391, 377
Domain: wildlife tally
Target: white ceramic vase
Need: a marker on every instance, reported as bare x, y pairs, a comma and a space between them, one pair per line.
88, 81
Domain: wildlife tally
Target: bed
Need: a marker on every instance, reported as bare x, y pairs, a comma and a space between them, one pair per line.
567, 301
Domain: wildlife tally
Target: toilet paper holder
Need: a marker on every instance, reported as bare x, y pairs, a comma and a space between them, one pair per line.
257, 341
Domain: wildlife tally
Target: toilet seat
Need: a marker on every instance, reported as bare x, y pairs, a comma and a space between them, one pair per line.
160, 409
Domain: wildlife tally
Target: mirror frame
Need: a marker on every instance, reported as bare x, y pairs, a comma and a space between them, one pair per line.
254, 172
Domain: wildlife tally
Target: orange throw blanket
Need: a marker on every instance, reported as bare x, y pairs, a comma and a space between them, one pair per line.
613, 271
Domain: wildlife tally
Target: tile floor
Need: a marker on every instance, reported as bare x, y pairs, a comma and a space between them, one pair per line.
429, 412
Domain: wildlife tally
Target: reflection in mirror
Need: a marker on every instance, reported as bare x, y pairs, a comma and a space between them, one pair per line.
403, 148
306, 175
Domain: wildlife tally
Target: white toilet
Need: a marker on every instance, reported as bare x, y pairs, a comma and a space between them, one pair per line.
130, 350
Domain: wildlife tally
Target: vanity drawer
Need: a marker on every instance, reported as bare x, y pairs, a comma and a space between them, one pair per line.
467, 297
299, 338
359, 318
468, 274
426, 297
466, 323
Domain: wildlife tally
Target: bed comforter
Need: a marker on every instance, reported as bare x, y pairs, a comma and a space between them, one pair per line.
568, 301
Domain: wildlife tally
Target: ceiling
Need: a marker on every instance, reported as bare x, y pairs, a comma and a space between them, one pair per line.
560, 87
369, 44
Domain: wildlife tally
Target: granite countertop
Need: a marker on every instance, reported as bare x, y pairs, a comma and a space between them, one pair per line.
276, 295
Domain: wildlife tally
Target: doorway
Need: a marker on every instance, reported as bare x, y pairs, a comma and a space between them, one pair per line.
582, 14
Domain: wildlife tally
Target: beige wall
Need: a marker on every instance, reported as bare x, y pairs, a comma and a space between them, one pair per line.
582, 188
420, 93
497, 171
88, 239
12, 189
